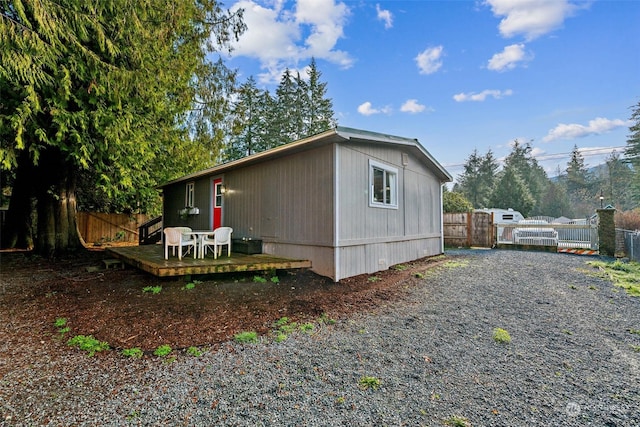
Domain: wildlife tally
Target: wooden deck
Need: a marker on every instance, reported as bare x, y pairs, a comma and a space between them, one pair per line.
150, 258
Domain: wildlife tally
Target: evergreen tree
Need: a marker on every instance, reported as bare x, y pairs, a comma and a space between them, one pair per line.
511, 191
320, 111
287, 109
476, 182
100, 89
248, 113
632, 154
532, 174
555, 202
579, 185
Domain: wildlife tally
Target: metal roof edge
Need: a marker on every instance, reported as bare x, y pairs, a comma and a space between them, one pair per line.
351, 133
345, 133
254, 158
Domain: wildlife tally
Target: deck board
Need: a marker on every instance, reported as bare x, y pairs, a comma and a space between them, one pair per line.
150, 258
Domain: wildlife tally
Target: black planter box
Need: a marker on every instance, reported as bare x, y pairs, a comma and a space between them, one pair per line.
248, 247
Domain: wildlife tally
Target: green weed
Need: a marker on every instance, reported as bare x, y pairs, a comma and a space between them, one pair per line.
134, 353
373, 279
634, 331
88, 343
366, 383
259, 279
307, 328
163, 350
625, 275
400, 267
324, 318
501, 336
635, 348
194, 351
457, 421
247, 337
60, 322
281, 336
153, 289
275, 279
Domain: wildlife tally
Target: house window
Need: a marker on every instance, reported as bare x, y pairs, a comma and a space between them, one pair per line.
188, 199
219, 194
383, 181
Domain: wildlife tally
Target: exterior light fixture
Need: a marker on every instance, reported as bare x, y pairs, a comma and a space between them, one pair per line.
601, 200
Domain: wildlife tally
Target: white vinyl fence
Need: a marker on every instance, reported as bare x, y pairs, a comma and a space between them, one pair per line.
566, 236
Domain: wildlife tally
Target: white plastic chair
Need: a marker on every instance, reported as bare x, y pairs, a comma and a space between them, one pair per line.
221, 237
178, 237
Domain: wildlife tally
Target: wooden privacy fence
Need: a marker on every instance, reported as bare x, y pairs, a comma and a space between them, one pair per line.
468, 229
97, 227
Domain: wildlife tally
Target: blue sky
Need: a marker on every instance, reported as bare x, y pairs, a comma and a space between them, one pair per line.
461, 75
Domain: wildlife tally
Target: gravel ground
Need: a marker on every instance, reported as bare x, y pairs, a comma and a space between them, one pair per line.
570, 362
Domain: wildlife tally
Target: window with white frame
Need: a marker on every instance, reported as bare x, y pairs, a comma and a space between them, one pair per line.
383, 181
189, 195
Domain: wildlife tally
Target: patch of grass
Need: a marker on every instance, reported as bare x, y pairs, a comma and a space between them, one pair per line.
625, 275
194, 351
366, 383
324, 318
373, 279
191, 285
455, 264
634, 331
400, 267
501, 336
307, 328
134, 353
457, 421
275, 279
635, 348
419, 275
281, 336
88, 343
155, 290
163, 350
259, 279
247, 337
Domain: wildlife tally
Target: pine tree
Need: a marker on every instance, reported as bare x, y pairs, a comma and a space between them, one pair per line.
477, 180
632, 153
511, 191
532, 174
320, 111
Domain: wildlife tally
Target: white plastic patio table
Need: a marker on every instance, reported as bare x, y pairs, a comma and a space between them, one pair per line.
199, 234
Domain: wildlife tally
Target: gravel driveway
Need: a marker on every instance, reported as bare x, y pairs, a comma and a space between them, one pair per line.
571, 361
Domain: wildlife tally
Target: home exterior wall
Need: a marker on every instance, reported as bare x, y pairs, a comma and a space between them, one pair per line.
371, 239
313, 203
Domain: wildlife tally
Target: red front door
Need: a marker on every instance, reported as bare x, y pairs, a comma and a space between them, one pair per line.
217, 203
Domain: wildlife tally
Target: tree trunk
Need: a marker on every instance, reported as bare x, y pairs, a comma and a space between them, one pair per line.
56, 205
18, 228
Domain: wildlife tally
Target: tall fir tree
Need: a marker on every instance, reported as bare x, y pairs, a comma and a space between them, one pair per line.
320, 111
632, 153
511, 191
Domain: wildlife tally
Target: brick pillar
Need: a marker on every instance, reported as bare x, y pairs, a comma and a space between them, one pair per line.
606, 231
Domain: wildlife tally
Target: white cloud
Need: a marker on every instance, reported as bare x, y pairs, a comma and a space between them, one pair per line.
429, 60
596, 126
532, 18
385, 16
509, 58
281, 38
366, 109
472, 96
412, 106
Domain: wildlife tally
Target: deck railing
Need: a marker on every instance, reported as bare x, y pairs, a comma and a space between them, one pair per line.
150, 232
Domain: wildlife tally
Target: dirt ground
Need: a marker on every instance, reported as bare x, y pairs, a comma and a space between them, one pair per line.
112, 305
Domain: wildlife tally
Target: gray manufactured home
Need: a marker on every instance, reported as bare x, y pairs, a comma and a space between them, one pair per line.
350, 201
